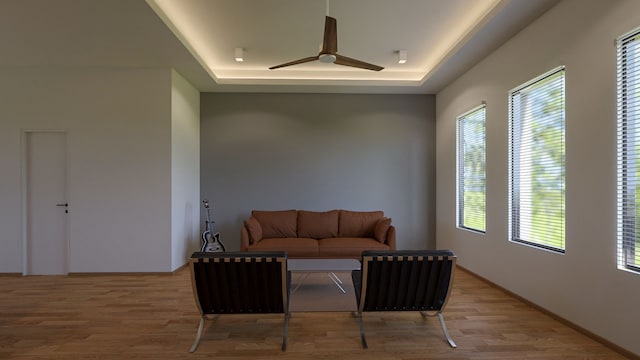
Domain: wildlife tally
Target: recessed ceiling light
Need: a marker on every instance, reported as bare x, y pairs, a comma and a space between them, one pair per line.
402, 56
239, 55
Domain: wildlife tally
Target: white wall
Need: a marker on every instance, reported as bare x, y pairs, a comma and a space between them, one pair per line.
320, 152
185, 170
583, 286
119, 142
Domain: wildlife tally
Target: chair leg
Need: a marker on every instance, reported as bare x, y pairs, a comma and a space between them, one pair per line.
442, 325
286, 330
444, 330
197, 341
362, 338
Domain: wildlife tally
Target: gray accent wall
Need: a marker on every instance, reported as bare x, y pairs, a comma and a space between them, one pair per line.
320, 152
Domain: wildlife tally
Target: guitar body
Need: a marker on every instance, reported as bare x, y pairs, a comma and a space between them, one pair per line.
211, 242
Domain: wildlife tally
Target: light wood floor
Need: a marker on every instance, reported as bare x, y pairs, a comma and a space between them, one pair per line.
155, 317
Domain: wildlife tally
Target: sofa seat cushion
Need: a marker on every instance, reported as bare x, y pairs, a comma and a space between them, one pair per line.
348, 247
358, 223
295, 247
277, 224
317, 225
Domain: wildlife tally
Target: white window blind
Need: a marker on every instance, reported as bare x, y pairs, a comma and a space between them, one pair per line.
537, 162
471, 169
628, 81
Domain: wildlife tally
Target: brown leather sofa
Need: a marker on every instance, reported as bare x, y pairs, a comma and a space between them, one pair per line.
311, 234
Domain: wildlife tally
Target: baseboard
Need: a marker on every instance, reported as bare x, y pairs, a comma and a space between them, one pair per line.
168, 273
10, 274
124, 273
622, 351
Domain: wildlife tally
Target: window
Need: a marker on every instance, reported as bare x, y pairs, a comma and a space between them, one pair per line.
628, 47
471, 169
537, 162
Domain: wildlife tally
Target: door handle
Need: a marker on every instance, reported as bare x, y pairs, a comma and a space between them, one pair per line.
65, 204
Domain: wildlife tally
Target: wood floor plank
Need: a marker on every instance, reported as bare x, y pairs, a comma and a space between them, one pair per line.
154, 317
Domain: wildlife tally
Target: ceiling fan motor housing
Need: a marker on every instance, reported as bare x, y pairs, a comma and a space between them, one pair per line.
327, 58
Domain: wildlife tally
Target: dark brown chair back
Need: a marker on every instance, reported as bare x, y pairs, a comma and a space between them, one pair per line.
240, 283
418, 280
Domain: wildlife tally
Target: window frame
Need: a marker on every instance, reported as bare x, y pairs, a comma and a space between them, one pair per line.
460, 166
628, 141
515, 166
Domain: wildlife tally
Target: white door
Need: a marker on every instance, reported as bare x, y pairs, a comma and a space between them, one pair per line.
46, 203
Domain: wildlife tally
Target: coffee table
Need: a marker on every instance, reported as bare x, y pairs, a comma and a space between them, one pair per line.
329, 266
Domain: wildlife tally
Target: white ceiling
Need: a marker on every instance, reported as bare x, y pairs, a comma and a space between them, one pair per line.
197, 38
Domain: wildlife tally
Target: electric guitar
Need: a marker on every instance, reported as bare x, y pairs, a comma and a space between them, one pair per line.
210, 241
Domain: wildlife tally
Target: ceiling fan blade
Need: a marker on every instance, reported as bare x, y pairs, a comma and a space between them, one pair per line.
296, 62
346, 61
330, 42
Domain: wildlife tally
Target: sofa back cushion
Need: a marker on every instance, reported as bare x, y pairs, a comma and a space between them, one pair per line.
358, 223
254, 229
382, 228
317, 225
277, 224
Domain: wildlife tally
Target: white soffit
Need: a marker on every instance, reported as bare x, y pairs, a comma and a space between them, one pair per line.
277, 31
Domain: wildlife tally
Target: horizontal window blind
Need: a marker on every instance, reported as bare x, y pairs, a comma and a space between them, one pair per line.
537, 162
471, 188
628, 104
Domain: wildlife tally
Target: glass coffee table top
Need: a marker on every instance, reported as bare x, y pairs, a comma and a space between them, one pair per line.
322, 265
322, 284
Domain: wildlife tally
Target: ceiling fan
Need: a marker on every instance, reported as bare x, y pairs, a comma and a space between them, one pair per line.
329, 52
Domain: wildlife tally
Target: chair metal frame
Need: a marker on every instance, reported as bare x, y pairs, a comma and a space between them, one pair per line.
446, 259
278, 257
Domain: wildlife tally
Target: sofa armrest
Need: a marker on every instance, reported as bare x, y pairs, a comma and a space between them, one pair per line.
244, 239
391, 237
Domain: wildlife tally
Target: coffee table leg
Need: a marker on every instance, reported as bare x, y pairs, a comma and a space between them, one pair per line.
336, 280
336, 277
302, 279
